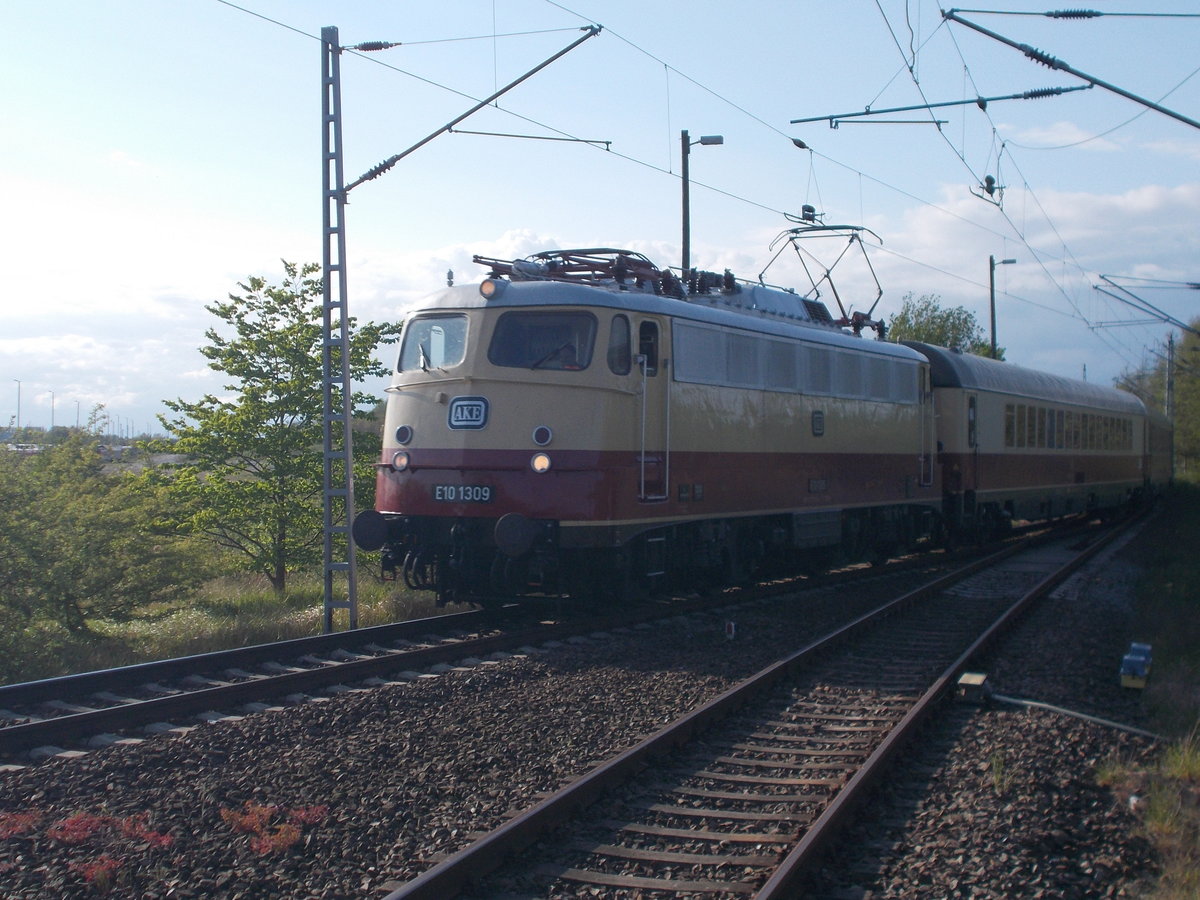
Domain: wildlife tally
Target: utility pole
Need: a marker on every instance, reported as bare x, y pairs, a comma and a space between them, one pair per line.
1171, 394
686, 152
992, 293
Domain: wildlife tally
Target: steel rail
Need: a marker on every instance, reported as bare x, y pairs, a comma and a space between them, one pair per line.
77, 726
450, 876
30, 692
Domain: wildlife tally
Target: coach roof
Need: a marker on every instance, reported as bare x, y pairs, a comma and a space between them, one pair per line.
953, 368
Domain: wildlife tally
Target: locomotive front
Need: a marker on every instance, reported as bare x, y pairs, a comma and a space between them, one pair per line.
507, 406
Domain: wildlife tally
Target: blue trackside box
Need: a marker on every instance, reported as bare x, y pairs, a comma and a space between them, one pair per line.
1135, 667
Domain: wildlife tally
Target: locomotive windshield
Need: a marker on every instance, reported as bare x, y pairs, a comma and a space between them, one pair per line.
543, 340
433, 342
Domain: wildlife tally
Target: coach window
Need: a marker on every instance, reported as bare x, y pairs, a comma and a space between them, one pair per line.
972, 438
1010, 426
619, 357
1020, 426
648, 346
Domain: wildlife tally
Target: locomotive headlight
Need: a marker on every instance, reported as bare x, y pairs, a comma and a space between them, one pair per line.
490, 288
404, 434
400, 460
540, 462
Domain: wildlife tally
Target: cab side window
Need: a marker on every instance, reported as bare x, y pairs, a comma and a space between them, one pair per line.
619, 356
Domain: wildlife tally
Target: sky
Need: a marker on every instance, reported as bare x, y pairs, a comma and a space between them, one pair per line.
158, 152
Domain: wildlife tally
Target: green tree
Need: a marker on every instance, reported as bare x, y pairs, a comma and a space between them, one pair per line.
252, 482
78, 543
925, 319
1149, 382
1187, 402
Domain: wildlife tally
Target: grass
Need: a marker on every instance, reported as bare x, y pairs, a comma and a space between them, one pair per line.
1003, 775
230, 611
238, 612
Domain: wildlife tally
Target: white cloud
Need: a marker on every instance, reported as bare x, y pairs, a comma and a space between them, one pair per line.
1061, 134
122, 159
1187, 149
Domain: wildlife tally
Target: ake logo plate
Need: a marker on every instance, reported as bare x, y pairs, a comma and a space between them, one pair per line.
468, 413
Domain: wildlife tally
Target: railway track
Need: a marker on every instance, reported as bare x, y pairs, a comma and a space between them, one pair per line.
70, 715
95, 709
739, 796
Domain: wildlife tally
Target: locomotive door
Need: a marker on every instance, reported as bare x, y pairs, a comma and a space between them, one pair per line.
928, 426
972, 473
654, 465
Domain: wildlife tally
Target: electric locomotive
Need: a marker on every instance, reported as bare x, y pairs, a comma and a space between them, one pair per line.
584, 423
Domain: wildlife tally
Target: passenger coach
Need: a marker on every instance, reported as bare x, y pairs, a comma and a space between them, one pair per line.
1014, 443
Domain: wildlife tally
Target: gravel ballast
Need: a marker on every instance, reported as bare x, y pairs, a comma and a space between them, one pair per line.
348, 795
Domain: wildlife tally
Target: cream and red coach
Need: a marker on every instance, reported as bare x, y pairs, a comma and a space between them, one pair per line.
1015, 443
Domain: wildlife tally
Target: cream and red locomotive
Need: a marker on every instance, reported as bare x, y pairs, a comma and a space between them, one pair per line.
583, 423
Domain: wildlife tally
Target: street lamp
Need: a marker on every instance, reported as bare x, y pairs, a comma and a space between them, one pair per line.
18, 431
992, 263
686, 145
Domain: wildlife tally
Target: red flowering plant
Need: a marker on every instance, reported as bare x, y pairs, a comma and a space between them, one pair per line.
268, 834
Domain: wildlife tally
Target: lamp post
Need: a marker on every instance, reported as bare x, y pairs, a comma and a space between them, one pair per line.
18, 431
992, 263
686, 146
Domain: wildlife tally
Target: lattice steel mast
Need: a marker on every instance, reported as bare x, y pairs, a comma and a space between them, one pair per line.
337, 490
